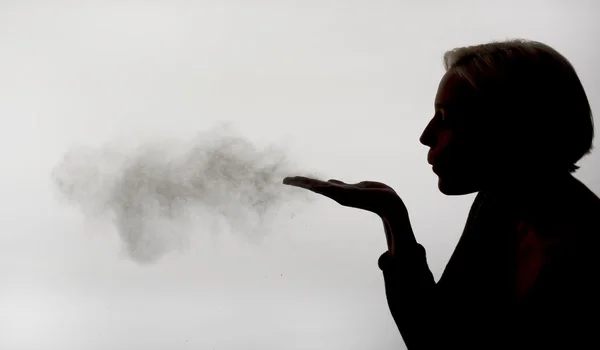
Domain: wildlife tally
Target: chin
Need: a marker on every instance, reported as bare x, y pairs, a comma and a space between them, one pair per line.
456, 188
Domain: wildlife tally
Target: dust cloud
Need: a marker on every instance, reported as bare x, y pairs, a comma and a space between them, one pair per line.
151, 192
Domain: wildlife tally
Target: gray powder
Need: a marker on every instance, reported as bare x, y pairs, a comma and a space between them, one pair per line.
151, 191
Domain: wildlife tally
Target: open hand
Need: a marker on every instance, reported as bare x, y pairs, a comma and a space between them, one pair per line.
372, 196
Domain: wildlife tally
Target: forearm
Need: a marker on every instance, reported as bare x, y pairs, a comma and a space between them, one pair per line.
421, 309
409, 285
428, 314
412, 296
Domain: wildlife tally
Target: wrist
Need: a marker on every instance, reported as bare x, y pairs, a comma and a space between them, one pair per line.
400, 230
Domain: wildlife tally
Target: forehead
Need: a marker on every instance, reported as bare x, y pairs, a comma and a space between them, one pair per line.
454, 91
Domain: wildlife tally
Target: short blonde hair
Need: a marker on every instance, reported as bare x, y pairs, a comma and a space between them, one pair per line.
535, 86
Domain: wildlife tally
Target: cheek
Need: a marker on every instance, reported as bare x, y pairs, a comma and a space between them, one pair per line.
457, 151
443, 150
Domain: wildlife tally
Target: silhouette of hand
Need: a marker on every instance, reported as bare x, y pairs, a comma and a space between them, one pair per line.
375, 197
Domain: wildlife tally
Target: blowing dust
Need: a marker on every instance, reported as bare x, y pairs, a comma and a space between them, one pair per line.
153, 191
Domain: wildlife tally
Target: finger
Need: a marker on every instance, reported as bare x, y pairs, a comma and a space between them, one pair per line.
331, 190
371, 184
303, 182
334, 189
345, 195
339, 192
338, 182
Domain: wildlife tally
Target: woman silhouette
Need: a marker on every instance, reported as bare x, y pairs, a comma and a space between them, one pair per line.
511, 121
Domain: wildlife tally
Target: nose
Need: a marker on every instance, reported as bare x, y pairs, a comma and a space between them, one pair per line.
427, 137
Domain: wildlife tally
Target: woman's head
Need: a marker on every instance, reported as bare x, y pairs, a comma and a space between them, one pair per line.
504, 109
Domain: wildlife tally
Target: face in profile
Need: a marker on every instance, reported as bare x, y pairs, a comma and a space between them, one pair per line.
455, 139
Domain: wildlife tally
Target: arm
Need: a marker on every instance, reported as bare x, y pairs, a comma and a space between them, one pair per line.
441, 315
568, 301
409, 285
412, 293
429, 315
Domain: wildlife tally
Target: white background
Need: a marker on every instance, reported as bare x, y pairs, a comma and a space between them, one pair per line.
347, 85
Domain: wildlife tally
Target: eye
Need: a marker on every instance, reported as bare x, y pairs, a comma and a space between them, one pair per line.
442, 118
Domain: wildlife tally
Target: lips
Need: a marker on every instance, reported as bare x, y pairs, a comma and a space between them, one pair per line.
430, 158
436, 160
435, 164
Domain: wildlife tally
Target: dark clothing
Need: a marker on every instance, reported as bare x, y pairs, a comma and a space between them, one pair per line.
474, 304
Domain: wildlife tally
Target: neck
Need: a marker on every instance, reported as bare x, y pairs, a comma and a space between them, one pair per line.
534, 195
530, 181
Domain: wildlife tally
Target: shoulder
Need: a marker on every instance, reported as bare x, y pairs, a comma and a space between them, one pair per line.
569, 224
571, 211
579, 232
584, 210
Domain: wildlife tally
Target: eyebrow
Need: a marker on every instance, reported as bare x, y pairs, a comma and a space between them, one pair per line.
451, 106
443, 106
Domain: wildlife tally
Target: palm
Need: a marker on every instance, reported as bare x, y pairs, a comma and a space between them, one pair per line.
372, 196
